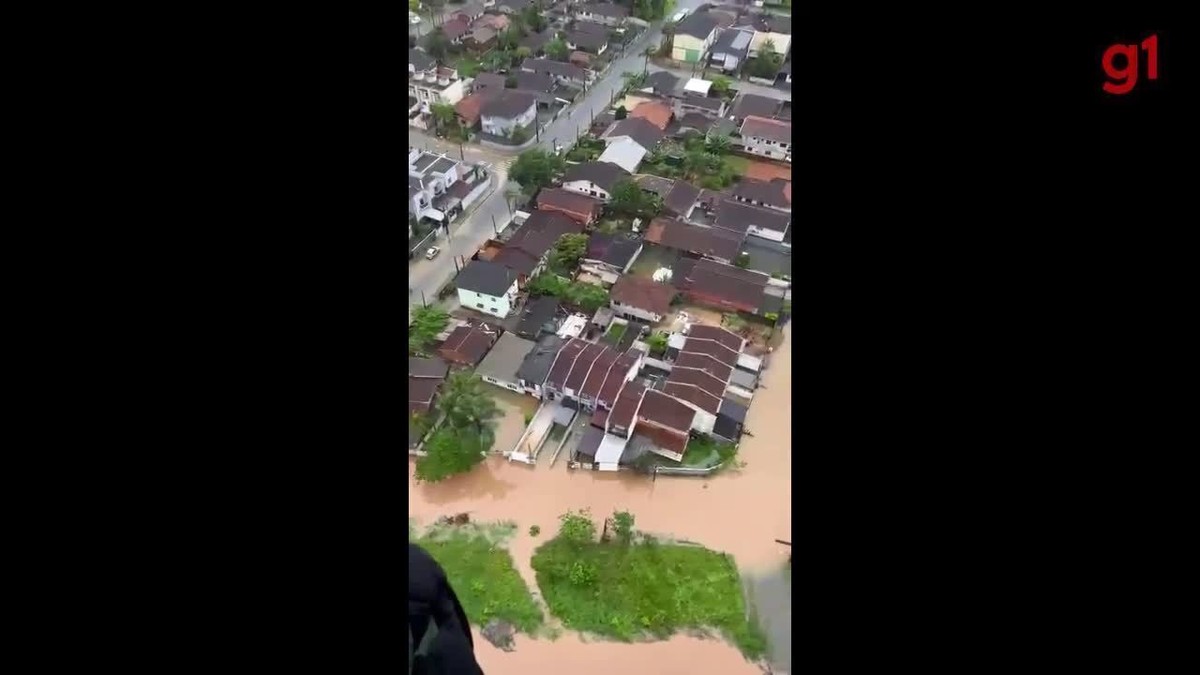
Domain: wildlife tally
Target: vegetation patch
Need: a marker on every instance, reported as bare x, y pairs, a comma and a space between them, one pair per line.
616, 330
482, 572
467, 432
630, 588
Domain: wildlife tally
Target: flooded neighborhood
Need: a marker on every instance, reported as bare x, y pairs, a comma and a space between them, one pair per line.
600, 396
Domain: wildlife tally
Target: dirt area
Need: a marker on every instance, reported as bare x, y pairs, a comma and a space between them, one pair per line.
766, 171
511, 425
652, 258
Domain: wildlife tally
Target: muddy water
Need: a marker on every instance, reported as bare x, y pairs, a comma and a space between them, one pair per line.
511, 424
740, 512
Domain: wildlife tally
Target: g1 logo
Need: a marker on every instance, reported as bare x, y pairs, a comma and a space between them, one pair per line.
1123, 80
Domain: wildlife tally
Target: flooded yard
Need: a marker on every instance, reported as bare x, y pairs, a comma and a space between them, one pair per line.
511, 425
744, 511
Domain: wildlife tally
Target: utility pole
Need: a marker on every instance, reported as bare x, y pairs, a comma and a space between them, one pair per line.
494, 229
461, 154
423, 303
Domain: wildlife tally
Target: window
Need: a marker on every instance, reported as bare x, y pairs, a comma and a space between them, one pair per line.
479, 305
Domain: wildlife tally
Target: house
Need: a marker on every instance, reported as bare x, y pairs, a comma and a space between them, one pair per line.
694, 37
497, 22
774, 194
565, 73
596, 179
487, 287
527, 251
608, 256
581, 208
709, 242
767, 137
540, 83
430, 177
501, 364
481, 39
587, 41
455, 30
468, 13
606, 13
534, 368
746, 105
642, 132
731, 48
420, 61
768, 28
655, 184
420, 201
432, 85
625, 153
666, 423
581, 59
539, 316
661, 82
721, 286
536, 42
642, 299
688, 102
586, 375
731, 418
682, 199
468, 344
657, 113
767, 223
484, 81
504, 112
425, 377
468, 109
512, 6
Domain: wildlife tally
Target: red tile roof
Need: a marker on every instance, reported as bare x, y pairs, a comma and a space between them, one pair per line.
666, 412
563, 362
697, 378
708, 364
621, 417
579, 207
468, 108
616, 378
583, 366
658, 114
694, 395
595, 380
723, 335
642, 293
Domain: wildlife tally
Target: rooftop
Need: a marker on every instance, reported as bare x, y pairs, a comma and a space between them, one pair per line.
541, 231
662, 81
646, 134
563, 363
715, 280
538, 316
698, 86
615, 249
604, 9
654, 112
762, 127
557, 68
656, 184
536, 364
507, 104
488, 278
643, 293
583, 366
472, 340
698, 25
724, 336
604, 174
625, 153
616, 378
777, 192
582, 206
682, 198
708, 241
601, 370
505, 358
427, 368
753, 104
732, 213
665, 411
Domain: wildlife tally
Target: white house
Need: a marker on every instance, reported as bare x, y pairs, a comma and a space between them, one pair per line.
430, 84
625, 153
487, 287
429, 176
609, 14
767, 137
504, 112
595, 179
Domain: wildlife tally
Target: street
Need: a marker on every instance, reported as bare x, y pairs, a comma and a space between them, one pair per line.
465, 237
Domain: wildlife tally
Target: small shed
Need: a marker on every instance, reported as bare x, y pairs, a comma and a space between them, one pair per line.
603, 317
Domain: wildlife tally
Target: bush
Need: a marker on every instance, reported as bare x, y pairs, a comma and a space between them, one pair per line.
534, 530
448, 290
621, 113
577, 527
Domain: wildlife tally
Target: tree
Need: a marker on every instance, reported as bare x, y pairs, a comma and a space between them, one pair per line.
414, 5
510, 82
634, 80
567, 251
495, 60
557, 49
586, 296
657, 343
621, 113
630, 201
533, 18
768, 62
444, 116
466, 405
717, 145
696, 163
647, 52
577, 527
623, 526
427, 323
449, 452
742, 260
508, 39
536, 169
437, 44
721, 85
520, 134
522, 53
515, 194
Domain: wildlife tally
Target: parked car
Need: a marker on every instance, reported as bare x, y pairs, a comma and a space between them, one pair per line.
414, 18
432, 253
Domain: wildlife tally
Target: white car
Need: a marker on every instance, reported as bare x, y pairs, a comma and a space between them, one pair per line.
414, 18
681, 15
432, 253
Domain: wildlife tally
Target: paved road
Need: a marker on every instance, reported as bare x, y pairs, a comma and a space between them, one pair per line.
466, 237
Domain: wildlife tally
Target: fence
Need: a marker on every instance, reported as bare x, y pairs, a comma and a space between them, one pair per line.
685, 470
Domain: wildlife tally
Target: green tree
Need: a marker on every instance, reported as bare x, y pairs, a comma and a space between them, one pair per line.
634, 80
444, 117
495, 60
630, 201
657, 343
466, 405
567, 251
536, 169
696, 163
722, 86
450, 451
427, 322
621, 113
507, 41
557, 49
647, 52
586, 296
742, 260
717, 145
437, 43
414, 5
623, 526
577, 527
515, 195
521, 54
767, 64
533, 18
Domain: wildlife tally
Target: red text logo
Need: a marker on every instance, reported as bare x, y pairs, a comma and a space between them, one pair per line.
1122, 79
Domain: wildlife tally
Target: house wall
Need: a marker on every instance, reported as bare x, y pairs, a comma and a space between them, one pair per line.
713, 301
496, 306
755, 202
767, 148
599, 18
765, 234
782, 43
635, 312
500, 126
690, 49
430, 93
513, 386
587, 187
419, 202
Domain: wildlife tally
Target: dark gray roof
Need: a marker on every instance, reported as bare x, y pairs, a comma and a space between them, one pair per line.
615, 249
662, 81
753, 104
415, 183
442, 165
537, 363
604, 9
420, 60
733, 41
682, 197
708, 103
536, 41
601, 173
538, 316
587, 39
505, 357
541, 231
557, 68
435, 368
656, 184
646, 134
489, 81
695, 120
731, 211
733, 410
507, 104
424, 161
539, 82
485, 277
698, 25
770, 193
589, 442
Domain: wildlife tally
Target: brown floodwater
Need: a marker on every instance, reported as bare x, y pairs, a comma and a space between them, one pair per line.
741, 512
